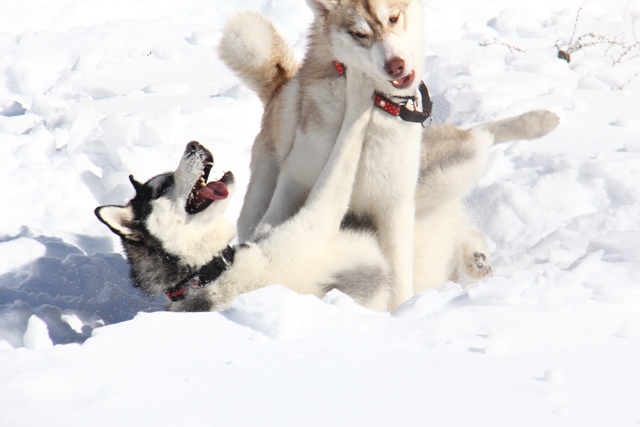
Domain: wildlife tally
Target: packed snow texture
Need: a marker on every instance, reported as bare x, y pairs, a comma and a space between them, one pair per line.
91, 92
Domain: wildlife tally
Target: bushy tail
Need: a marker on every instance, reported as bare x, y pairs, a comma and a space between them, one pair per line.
253, 48
531, 125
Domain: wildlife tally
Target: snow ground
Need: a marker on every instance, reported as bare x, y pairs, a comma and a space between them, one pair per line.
93, 91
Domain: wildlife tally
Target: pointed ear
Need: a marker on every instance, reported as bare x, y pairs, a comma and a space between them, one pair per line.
136, 184
120, 220
322, 7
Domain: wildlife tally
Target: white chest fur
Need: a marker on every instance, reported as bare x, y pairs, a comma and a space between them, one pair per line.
389, 163
192, 239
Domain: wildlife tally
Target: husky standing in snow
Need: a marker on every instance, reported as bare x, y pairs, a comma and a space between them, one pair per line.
304, 109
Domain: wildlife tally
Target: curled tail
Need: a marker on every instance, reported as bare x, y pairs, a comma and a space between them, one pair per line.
258, 54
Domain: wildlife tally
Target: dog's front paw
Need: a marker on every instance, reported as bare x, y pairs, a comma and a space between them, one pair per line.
479, 266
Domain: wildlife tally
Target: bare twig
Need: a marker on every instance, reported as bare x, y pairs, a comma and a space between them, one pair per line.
628, 49
497, 42
614, 44
575, 23
566, 53
632, 78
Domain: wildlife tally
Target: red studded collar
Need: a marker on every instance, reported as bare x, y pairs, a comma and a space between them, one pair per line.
399, 109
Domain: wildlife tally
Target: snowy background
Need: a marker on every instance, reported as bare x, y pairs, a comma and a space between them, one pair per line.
93, 91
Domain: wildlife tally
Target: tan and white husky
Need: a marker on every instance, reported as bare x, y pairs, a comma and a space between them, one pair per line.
383, 40
409, 181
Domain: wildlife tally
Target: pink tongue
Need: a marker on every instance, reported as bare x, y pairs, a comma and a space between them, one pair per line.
214, 191
404, 82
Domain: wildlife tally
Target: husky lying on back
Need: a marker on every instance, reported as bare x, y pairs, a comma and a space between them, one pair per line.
176, 239
175, 224
303, 111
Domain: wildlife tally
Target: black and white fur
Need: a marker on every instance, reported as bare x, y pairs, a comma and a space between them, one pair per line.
163, 237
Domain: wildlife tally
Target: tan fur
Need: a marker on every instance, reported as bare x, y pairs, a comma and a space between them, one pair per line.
302, 120
274, 60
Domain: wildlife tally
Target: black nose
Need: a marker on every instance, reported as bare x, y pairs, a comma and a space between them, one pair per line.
193, 147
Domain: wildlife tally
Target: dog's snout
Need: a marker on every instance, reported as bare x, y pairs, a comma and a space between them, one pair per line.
394, 67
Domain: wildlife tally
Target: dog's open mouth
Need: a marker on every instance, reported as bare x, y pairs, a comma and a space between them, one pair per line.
203, 193
405, 81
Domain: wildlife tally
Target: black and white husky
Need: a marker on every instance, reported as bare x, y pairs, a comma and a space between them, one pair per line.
175, 224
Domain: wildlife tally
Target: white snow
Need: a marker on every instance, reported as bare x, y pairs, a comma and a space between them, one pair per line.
36, 337
18, 252
91, 92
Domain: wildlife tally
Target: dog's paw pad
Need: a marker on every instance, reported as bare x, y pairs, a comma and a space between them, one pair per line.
481, 266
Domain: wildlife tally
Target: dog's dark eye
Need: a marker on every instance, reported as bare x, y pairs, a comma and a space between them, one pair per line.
358, 35
393, 19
